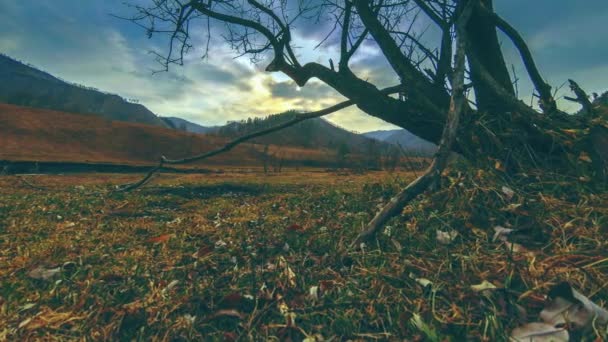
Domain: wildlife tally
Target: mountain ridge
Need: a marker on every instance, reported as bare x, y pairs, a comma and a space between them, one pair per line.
409, 142
311, 133
25, 85
189, 126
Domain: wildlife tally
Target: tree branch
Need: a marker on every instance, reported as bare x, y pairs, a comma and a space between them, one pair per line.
582, 98
420, 89
431, 14
547, 102
232, 144
277, 45
457, 106
344, 55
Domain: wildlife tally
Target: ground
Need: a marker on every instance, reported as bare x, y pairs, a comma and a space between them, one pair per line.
244, 255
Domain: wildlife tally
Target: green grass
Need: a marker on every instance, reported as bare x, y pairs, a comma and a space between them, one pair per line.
234, 256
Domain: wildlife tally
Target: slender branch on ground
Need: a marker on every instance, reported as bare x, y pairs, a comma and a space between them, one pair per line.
27, 183
232, 144
457, 105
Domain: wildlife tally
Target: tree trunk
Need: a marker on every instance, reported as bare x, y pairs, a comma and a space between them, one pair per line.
599, 151
484, 45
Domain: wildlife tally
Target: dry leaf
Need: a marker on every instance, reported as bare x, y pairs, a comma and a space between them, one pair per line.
226, 313
446, 238
585, 157
509, 193
49, 318
160, 239
501, 233
313, 293
485, 285
44, 273
539, 332
567, 305
287, 272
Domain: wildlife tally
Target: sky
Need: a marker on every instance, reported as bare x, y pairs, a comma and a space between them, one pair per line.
82, 42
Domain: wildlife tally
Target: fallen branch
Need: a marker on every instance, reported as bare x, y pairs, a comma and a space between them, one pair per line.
457, 105
229, 146
30, 185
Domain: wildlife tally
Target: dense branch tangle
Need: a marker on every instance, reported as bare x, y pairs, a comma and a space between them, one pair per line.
264, 31
497, 126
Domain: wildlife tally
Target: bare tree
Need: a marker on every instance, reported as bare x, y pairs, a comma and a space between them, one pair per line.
496, 128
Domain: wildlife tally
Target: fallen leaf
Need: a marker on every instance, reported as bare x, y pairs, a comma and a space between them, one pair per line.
585, 157
566, 305
27, 306
290, 316
539, 332
314, 338
501, 233
49, 318
508, 192
422, 281
313, 292
160, 239
499, 166
445, 238
226, 313
295, 228
170, 286
571, 132
43, 273
485, 285
287, 272
202, 252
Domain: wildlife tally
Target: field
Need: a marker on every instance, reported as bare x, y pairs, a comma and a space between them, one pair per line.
32, 134
249, 256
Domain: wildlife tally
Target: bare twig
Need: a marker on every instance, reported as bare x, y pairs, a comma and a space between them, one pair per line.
581, 97
29, 184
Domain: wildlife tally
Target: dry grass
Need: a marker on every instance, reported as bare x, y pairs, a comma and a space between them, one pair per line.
243, 255
32, 134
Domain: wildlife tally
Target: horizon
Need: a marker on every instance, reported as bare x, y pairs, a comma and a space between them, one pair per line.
135, 101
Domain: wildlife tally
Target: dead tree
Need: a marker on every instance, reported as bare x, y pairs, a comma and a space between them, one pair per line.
497, 129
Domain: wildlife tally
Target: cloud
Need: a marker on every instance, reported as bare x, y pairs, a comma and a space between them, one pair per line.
566, 40
81, 42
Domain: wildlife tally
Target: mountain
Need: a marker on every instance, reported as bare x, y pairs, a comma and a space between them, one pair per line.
188, 126
24, 85
380, 135
408, 141
312, 133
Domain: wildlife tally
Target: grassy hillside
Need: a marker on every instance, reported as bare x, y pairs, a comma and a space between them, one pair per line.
310, 134
24, 85
45, 135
